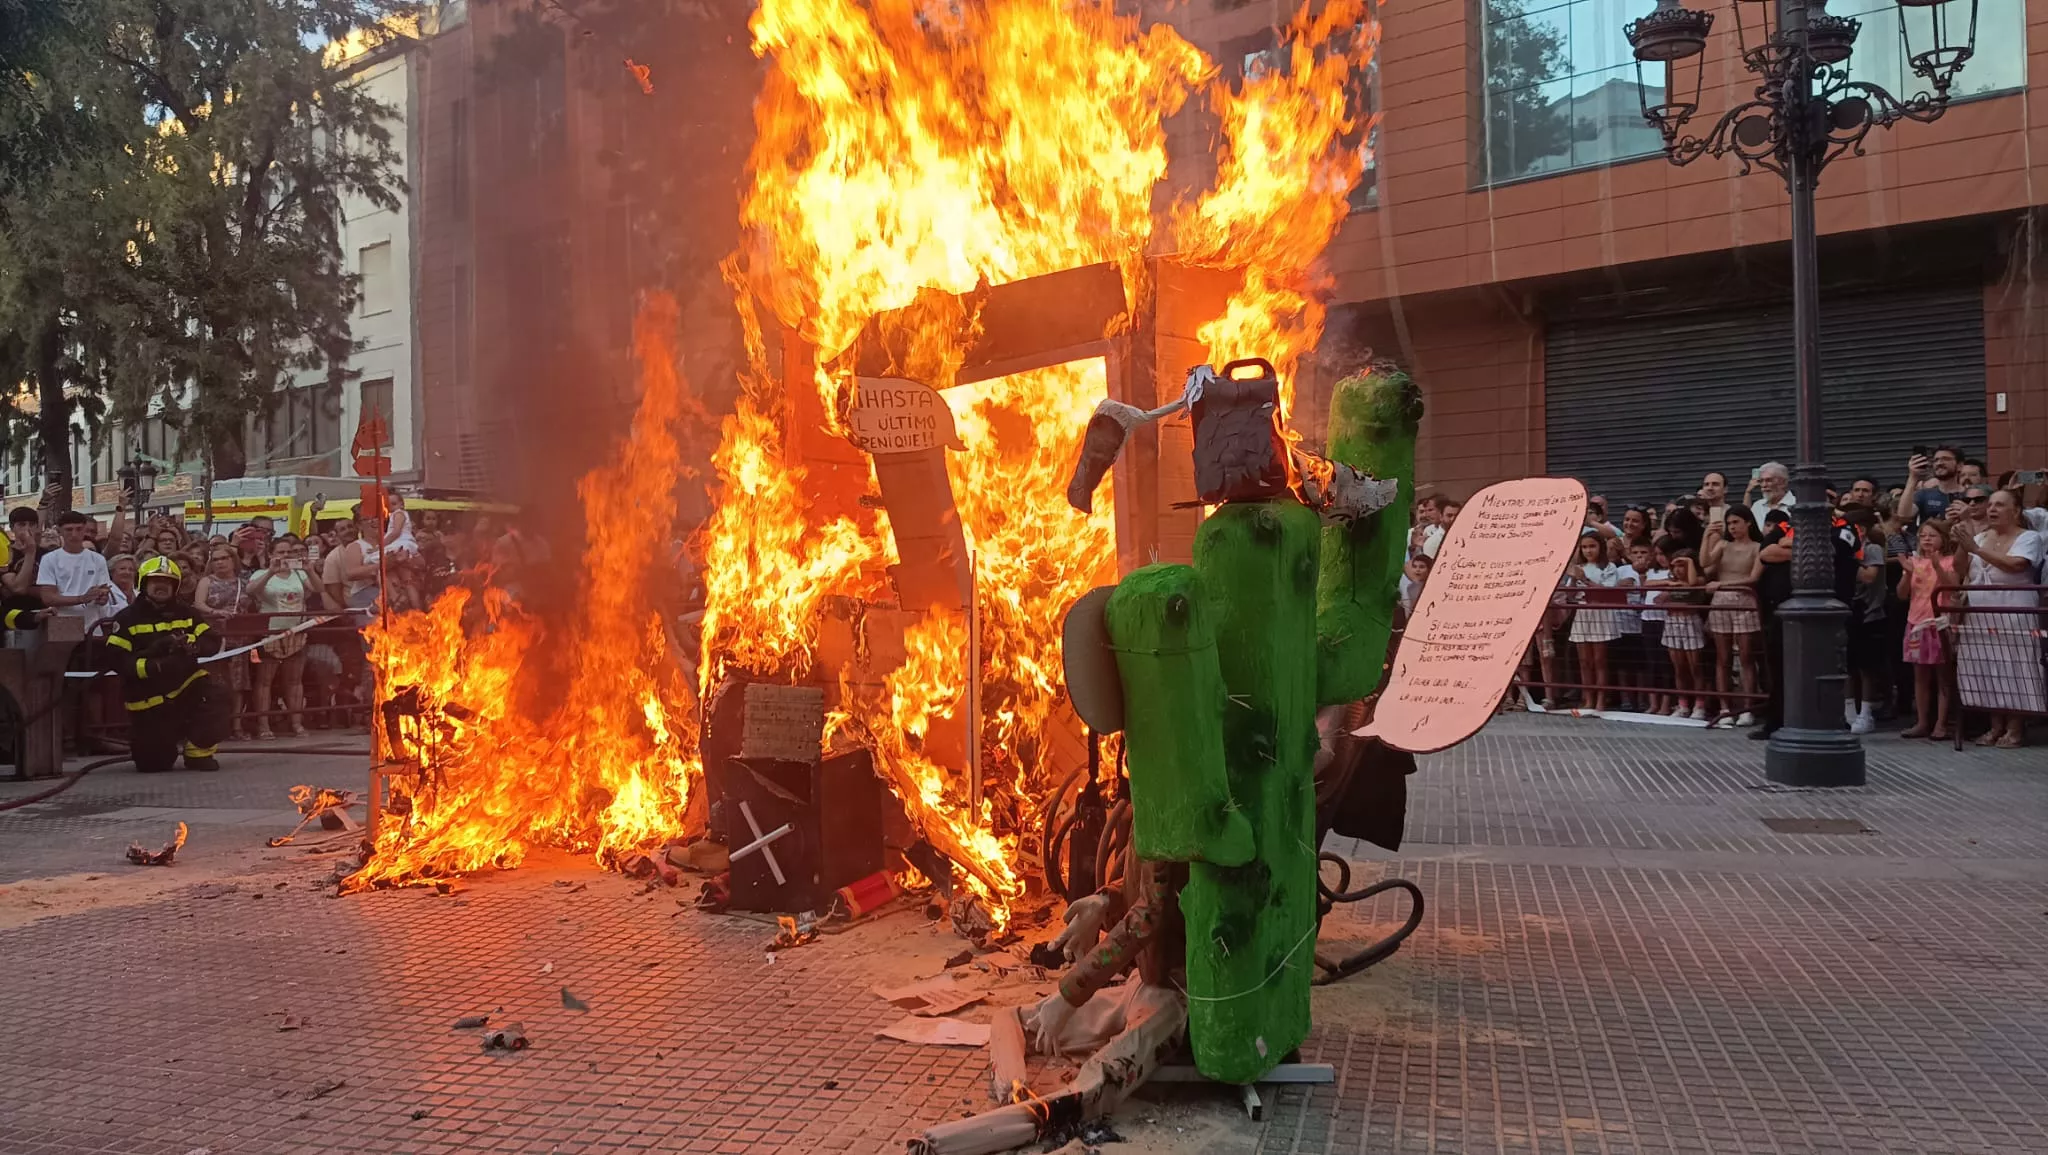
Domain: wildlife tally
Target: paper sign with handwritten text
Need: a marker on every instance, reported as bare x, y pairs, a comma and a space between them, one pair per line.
1485, 596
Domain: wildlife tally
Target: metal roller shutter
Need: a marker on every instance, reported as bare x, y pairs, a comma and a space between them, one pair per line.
1639, 408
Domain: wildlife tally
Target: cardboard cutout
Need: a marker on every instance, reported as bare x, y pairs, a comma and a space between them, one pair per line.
1489, 589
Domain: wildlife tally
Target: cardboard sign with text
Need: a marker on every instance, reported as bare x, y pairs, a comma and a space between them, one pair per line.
897, 415
1488, 591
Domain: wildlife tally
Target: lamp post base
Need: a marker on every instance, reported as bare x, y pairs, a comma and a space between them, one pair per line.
1813, 758
1814, 746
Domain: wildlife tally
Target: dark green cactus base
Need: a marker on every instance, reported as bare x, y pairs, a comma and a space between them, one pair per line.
1373, 420
1249, 928
1163, 626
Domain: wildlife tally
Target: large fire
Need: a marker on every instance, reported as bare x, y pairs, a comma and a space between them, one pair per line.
904, 151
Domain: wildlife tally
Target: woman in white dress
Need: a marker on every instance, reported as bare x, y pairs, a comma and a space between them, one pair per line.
1998, 655
1592, 628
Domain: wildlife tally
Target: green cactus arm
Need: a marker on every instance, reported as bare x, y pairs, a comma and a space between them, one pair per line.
1373, 422
1163, 629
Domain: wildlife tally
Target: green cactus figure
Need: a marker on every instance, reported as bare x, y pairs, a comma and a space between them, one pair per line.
1373, 422
1223, 666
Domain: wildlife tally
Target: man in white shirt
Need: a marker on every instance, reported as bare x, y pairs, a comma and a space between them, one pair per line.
73, 579
1776, 481
1425, 521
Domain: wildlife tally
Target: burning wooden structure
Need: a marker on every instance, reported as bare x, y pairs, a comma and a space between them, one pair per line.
883, 452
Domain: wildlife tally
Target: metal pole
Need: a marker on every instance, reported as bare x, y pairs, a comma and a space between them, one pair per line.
1813, 745
973, 703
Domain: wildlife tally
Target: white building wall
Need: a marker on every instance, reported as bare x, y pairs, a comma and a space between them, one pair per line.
376, 245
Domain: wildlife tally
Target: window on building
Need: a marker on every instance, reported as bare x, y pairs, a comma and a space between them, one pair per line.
532, 113
1560, 88
1998, 65
1253, 56
158, 439
458, 158
305, 422
464, 324
373, 265
377, 399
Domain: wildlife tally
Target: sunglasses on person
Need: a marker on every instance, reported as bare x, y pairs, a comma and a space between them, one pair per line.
1976, 498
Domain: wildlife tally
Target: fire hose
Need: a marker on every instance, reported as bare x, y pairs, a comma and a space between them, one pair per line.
72, 779
1327, 898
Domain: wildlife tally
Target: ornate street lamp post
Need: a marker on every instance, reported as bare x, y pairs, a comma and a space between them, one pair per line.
138, 481
1805, 113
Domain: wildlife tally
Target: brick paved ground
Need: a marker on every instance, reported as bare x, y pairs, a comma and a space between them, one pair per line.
1620, 956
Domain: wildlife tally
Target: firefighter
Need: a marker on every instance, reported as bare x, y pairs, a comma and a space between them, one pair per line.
156, 646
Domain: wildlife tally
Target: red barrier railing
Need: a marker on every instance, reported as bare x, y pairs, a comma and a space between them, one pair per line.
1691, 654
1995, 652
334, 683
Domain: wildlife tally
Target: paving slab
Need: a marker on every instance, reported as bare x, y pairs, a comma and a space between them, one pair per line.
1620, 955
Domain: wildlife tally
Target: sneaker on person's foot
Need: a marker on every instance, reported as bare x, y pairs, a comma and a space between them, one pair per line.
1699, 713
1745, 719
1862, 724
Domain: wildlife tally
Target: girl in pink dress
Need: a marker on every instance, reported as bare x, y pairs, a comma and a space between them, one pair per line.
1934, 566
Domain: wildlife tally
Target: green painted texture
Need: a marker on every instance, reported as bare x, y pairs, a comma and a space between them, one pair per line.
1373, 422
1250, 927
1162, 624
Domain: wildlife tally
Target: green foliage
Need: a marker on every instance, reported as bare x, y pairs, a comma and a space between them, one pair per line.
176, 240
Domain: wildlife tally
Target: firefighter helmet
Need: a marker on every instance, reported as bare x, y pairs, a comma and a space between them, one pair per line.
158, 567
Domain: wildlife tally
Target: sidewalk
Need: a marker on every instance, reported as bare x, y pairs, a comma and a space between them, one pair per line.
1621, 955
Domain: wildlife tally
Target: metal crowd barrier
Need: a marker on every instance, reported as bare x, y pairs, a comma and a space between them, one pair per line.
1994, 657
1642, 674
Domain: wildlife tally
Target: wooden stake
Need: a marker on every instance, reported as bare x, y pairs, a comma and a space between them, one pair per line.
1098, 1088
1006, 1056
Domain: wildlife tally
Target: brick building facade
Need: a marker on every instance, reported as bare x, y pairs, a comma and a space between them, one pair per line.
1488, 264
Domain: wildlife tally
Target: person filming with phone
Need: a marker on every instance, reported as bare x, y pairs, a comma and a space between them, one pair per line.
1933, 480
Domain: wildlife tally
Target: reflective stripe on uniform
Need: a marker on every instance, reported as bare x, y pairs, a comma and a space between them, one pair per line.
160, 699
192, 751
142, 667
118, 640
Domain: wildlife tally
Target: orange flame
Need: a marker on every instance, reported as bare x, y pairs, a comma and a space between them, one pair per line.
611, 765
904, 148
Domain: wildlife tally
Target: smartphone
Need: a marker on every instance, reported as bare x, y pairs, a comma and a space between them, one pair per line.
1757, 474
2031, 477
1921, 451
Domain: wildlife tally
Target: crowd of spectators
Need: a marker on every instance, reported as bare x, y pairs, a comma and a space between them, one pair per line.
1672, 609
265, 580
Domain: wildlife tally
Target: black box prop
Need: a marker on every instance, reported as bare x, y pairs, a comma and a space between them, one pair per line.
1239, 452
821, 818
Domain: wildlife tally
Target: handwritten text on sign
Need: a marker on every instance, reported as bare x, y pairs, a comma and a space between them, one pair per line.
896, 415
1489, 589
